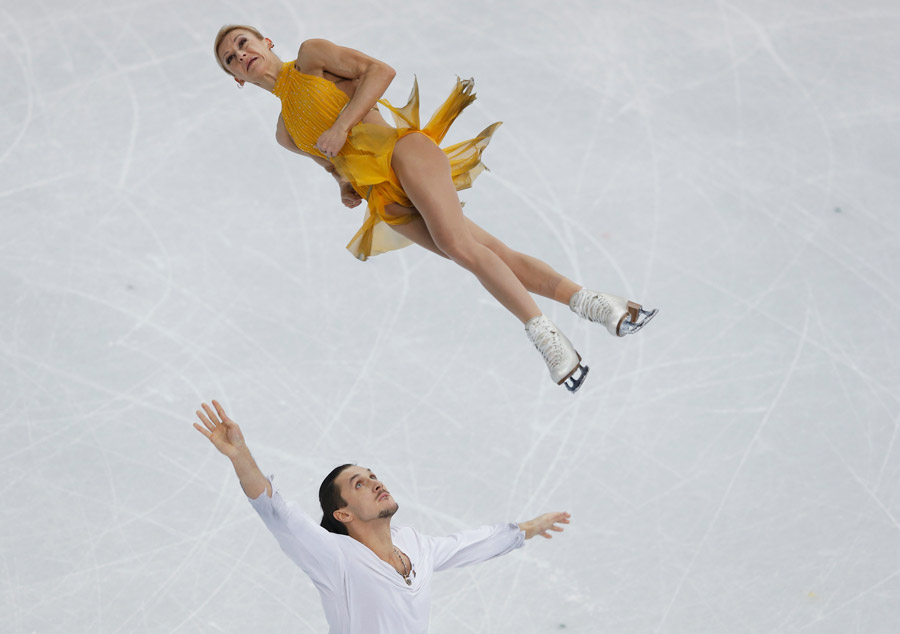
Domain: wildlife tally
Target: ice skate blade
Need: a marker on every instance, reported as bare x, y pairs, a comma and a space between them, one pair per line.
639, 319
573, 384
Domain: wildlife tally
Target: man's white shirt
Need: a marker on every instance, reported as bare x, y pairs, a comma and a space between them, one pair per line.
361, 593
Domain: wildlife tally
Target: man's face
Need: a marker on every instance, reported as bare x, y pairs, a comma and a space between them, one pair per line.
366, 497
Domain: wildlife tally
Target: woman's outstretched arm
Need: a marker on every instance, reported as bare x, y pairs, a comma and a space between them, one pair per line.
374, 76
226, 436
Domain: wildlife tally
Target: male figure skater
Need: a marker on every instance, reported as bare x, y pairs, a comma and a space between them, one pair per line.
372, 578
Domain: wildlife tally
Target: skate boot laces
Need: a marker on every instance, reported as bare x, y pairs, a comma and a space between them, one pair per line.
592, 306
562, 360
620, 316
547, 340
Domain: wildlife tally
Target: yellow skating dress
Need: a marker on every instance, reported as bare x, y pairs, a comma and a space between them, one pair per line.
310, 105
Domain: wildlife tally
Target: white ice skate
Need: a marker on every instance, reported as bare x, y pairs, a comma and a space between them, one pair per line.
561, 358
621, 317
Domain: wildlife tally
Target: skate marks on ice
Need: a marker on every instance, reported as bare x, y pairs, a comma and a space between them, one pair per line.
732, 468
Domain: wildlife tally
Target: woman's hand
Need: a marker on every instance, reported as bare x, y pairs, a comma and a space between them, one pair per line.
349, 196
546, 522
222, 432
331, 141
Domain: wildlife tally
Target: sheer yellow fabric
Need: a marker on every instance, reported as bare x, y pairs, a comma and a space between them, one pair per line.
310, 106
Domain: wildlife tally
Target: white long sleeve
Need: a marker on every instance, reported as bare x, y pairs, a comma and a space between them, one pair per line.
476, 545
362, 594
306, 543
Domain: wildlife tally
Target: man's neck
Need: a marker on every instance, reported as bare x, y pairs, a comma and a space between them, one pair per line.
376, 536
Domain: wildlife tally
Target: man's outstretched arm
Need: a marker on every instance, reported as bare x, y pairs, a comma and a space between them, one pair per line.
307, 544
226, 436
486, 542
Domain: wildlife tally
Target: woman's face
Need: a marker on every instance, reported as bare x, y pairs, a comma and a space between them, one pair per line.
245, 56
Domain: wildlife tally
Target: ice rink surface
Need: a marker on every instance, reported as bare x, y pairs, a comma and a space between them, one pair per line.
732, 469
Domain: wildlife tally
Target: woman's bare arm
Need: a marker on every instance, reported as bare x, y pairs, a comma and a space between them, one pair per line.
317, 57
348, 196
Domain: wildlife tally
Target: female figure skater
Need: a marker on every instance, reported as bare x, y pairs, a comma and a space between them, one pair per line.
329, 113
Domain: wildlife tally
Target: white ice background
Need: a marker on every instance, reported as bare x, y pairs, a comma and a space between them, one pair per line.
732, 469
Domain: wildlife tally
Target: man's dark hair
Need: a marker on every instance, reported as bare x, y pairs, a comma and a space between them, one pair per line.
330, 499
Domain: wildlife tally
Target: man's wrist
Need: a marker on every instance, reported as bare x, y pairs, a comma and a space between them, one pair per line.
242, 458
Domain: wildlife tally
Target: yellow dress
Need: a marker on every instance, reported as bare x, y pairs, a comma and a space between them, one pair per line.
310, 105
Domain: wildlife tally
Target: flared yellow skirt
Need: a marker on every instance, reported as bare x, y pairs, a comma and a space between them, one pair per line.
365, 161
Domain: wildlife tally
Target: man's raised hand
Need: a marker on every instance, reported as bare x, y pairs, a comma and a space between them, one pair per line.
222, 432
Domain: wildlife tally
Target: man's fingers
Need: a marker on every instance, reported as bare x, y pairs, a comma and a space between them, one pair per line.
203, 419
203, 431
220, 410
212, 415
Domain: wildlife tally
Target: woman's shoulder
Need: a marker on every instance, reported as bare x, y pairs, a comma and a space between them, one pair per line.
313, 44
312, 54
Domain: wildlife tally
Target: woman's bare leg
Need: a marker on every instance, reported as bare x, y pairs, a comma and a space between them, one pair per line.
561, 358
415, 230
424, 172
535, 275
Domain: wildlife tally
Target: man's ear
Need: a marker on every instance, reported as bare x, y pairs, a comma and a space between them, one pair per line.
343, 516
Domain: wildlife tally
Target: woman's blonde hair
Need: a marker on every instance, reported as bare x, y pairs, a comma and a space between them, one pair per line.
225, 30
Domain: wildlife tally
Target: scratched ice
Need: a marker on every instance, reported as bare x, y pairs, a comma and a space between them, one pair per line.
734, 468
